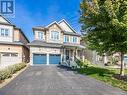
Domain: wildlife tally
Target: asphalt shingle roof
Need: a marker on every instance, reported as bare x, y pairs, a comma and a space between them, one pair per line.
57, 45
11, 43
45, 44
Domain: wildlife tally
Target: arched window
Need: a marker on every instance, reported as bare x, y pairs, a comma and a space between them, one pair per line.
54, 35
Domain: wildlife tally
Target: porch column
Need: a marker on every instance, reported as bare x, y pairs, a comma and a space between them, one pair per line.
76, 53
73, 55
63, 54
105, 59
83, 57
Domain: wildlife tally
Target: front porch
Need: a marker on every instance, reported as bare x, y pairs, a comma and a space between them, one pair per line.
71, 53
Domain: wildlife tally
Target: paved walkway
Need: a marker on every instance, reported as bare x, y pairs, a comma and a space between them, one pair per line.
52, 80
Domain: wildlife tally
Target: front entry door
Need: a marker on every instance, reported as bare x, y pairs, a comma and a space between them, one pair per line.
67, 54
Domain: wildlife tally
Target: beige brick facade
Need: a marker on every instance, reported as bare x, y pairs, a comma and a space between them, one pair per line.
43, 50
21, 51
13, 44
66, 49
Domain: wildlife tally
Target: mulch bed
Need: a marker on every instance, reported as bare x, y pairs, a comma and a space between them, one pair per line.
117, 76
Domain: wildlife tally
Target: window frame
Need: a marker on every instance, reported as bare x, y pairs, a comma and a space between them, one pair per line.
55, 35
66, 38
40, 35
6, 54
14, 54
4, 32
74, 39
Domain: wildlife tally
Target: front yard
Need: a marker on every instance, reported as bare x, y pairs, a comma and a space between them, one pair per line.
8, 72
107, 75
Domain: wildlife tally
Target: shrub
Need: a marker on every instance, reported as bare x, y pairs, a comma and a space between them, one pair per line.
10, 70
84, 64
4, 74
79, 63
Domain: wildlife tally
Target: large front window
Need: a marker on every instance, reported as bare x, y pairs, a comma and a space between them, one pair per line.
4, 32
55, 35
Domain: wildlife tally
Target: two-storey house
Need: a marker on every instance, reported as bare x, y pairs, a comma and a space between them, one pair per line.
55, 43
13, 43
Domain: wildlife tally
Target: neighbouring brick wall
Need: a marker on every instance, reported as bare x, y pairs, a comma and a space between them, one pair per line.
25, 52
12, 49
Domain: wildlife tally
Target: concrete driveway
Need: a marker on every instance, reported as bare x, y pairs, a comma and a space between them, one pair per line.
52, 80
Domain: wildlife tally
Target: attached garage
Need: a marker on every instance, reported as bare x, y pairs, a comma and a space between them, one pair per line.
9, 59
54, 58
39, 58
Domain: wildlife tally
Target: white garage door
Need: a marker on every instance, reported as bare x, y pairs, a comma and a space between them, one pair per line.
9, 59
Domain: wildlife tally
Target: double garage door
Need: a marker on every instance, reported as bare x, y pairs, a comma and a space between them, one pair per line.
43, 58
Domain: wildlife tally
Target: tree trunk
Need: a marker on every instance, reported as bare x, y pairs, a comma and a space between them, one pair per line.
122, 65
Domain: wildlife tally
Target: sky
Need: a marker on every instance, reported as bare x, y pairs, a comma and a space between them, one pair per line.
31, 13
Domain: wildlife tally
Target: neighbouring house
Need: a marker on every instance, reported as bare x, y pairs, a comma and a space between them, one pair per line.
55, 43
13, 44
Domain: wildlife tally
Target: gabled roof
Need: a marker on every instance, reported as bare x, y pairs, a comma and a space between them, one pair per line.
63, 20
22, 34
4, 20
54, 23
58, 24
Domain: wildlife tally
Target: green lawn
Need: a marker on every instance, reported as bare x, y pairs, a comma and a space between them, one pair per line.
105, 75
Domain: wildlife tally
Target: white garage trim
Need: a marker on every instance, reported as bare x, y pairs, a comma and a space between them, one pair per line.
9, 58
47, 59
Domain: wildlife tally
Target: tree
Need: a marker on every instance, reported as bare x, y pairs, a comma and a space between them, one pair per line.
105, 25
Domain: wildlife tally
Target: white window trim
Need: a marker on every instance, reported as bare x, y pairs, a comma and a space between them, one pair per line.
41, 35
66, 38
74, 39
51, 35
4, 32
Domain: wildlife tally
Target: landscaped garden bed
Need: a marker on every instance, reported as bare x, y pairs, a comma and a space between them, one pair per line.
10, 70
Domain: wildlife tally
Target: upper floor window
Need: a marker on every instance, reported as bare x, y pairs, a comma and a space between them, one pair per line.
66, 38
55, 35
4, 32
74, 39
40, 35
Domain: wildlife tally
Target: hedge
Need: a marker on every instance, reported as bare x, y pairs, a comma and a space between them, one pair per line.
10, 70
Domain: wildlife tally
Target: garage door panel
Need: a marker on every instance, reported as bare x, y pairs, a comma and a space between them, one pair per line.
9, 59
39, 59
54, 58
